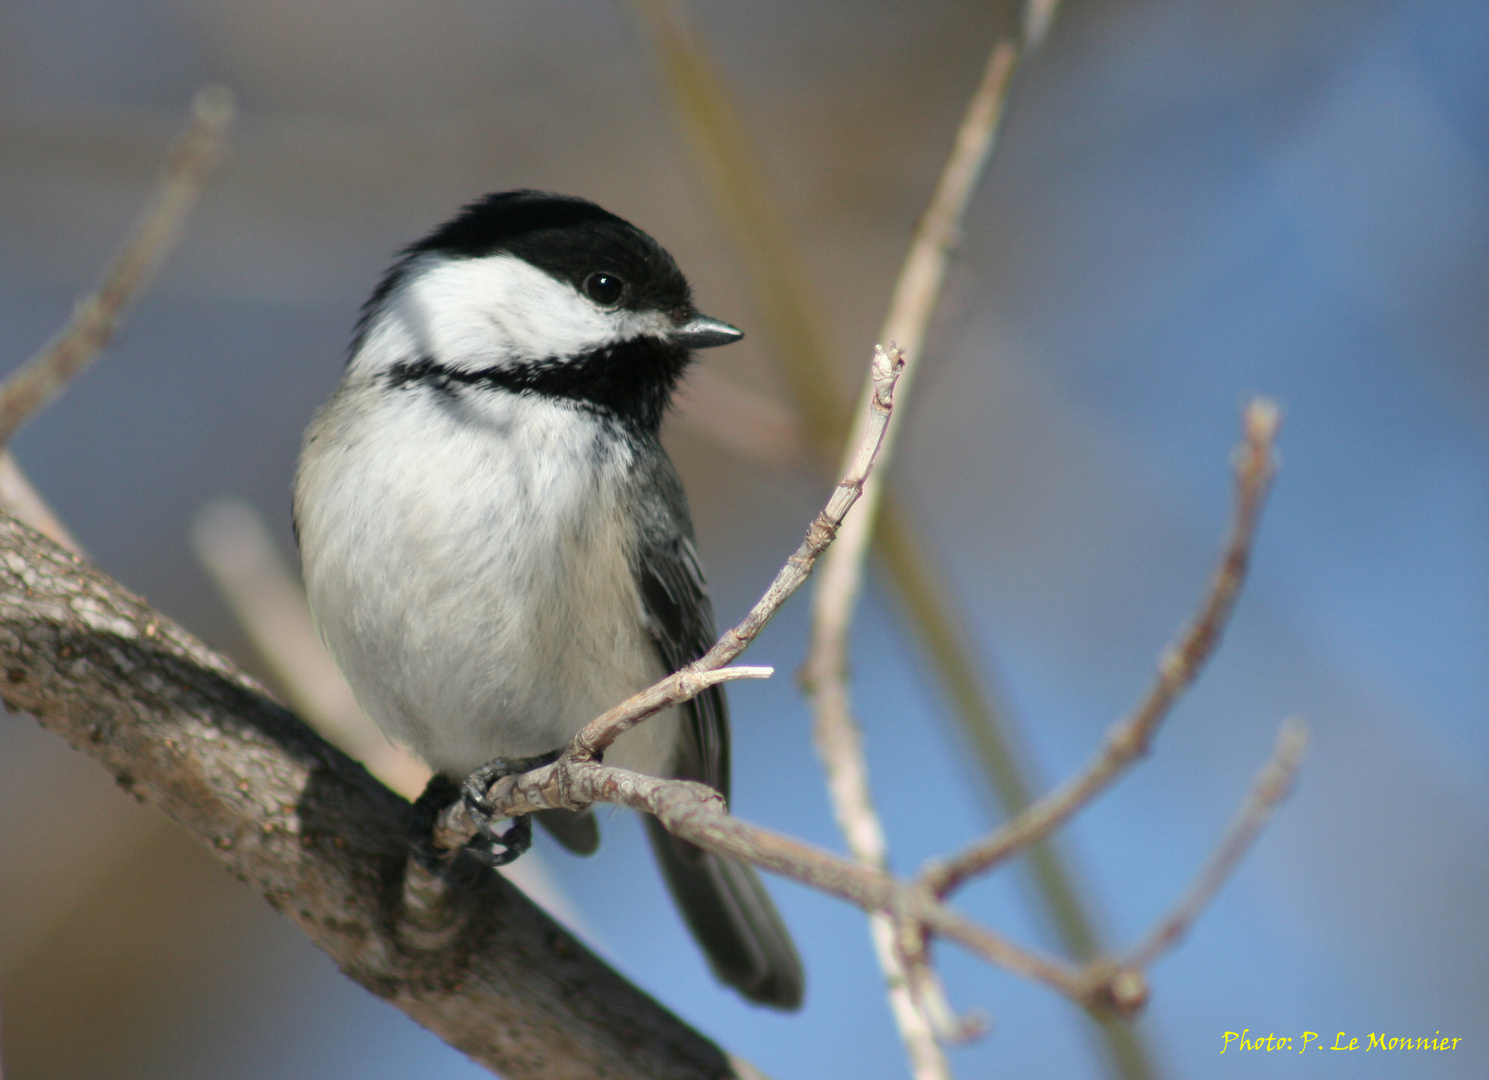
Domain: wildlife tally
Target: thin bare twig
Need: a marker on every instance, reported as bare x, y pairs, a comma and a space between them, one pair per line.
697, 813
604, 730
1130, 737
96, 317
825, 673
1271, 786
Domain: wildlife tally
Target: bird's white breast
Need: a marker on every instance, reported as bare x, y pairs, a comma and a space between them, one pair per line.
468, 558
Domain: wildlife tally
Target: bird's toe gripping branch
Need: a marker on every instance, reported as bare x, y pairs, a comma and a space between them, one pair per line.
489, 845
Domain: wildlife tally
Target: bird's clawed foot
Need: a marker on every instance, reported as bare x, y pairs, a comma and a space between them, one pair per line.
491, 846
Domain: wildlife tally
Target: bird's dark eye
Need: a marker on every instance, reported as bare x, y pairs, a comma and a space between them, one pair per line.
604, 289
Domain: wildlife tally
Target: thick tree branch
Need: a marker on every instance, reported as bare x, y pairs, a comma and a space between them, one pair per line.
183, 729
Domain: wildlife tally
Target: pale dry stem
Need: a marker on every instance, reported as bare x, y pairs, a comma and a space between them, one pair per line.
97, 315
22, 501
910, 310
1272, 785
914, 993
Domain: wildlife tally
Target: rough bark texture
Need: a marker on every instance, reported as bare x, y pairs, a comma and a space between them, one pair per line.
181, 727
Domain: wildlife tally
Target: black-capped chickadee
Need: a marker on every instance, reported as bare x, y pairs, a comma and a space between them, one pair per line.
497, 548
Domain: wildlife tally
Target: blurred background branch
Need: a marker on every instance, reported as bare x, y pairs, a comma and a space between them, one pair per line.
230, 539
825, 670
96, 317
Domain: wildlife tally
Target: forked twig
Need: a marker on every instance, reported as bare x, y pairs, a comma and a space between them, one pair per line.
697, 813
97, 315
913, 909
884, 375
1130, 737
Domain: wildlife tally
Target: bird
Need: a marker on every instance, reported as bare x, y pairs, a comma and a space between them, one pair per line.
495, 545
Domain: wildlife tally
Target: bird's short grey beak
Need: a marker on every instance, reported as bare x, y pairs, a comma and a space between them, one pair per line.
701, 332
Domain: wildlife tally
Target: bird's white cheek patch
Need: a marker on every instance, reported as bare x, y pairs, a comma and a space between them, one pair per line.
500, 308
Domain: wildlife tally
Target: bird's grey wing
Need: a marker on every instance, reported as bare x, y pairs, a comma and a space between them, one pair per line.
680, 622
723, 901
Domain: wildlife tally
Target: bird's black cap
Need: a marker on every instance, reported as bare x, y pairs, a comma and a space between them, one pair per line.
570, 238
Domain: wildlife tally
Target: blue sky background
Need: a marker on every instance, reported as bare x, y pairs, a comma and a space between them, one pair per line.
1193, 202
